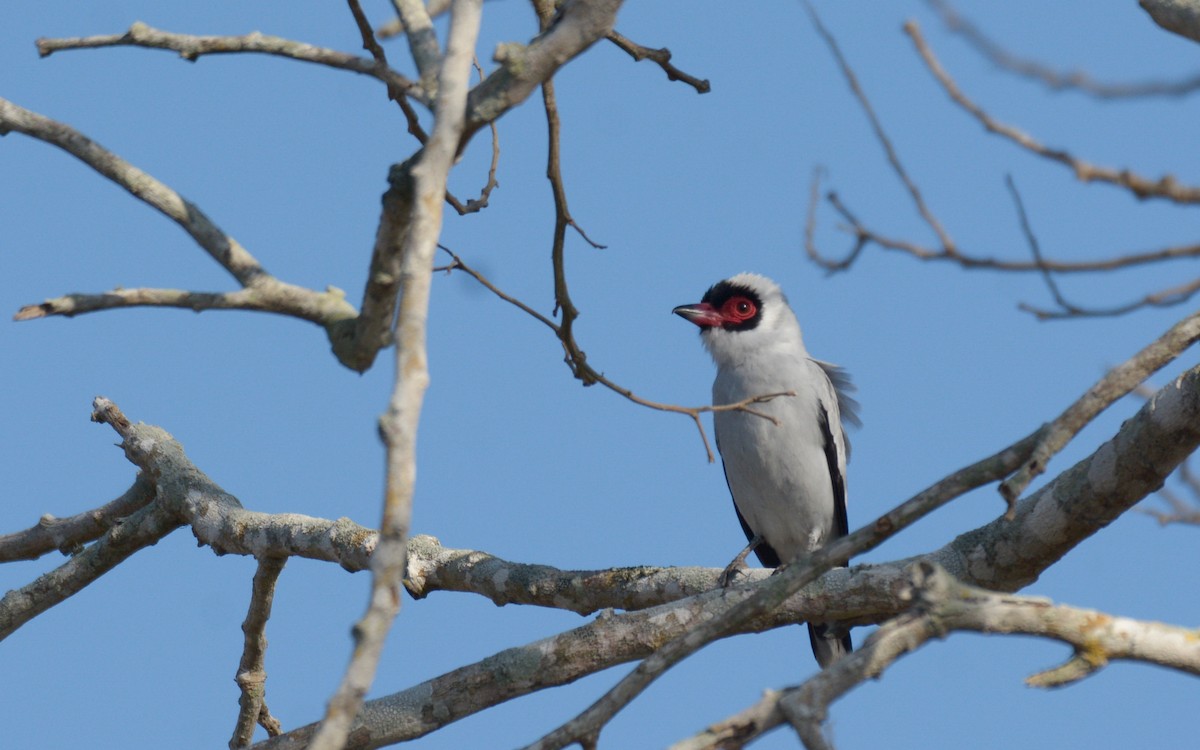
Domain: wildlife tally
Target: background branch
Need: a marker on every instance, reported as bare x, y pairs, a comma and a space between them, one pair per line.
1167, 187
1076, 80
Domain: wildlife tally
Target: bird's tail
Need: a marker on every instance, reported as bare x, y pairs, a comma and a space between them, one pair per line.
827, 646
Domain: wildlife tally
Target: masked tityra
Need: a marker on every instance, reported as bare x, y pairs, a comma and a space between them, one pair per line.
788, 480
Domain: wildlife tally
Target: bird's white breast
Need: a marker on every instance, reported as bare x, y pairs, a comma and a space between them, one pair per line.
778, 473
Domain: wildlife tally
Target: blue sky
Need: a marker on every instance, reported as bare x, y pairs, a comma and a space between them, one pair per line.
515, 457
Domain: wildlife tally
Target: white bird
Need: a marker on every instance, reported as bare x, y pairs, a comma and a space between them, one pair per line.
788, 479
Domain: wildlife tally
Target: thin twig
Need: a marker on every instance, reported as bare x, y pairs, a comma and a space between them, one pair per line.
1169, 297
251, 674
594, 376
662, 58
474, 205
893, 158
1035, 247
1164, 298
395, 93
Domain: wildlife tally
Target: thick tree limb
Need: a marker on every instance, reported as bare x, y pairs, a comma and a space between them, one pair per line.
585, 727
578, 25
422, 41
943, 605
398, 426
1002, 556
1118, 382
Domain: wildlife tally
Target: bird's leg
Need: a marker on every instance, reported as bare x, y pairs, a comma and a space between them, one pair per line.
738, 564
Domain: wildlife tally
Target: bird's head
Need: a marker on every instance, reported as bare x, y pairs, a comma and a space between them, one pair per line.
741, 316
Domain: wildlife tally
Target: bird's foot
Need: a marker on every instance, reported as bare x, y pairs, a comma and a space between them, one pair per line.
734, 569
737, 565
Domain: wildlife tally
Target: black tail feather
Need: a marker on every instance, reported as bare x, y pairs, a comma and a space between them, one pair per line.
827, 647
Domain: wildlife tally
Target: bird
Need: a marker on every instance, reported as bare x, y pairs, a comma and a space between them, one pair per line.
786, 469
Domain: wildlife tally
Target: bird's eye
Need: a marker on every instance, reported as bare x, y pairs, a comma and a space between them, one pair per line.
739, 308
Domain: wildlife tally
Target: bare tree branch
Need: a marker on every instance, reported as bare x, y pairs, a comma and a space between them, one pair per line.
1067, 309
422, 41
140, 530
947, 250
192, 47
1118, 382
1003, 556
585, 727
1035, 247
395, 27
662, 58
592, 376
251, 674
1180, 17
68, 535
1167, 187
523, 68
1169, 297
261, 291
474, 205
576, 28
1077, 80
942, 605
323, 308
893, 158
398, 426
863, 236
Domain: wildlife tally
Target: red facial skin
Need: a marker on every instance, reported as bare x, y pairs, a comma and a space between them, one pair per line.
735, 310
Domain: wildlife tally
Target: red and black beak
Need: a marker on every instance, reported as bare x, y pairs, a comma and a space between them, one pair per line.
700, 313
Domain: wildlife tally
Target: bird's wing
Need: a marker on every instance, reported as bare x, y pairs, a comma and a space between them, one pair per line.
843, 386
841, 525
765, 553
